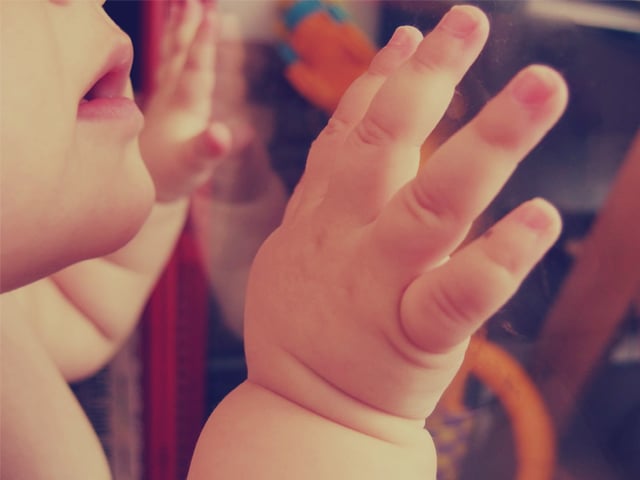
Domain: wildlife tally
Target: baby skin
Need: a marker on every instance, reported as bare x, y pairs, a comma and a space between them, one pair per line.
78, 262
359, 307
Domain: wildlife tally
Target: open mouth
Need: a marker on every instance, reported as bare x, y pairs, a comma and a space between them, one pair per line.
106, 87
112, 79
107, 97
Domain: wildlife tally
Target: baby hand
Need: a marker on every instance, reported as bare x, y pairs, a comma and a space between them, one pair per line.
352, 310
186, 134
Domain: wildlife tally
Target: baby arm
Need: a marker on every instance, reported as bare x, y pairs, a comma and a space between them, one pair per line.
355, 320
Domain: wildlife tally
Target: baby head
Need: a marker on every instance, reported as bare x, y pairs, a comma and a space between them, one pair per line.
72, 180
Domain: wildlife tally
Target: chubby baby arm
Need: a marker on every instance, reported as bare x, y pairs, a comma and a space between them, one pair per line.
356, 319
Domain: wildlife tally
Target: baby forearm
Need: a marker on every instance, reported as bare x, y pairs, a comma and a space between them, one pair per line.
255, 433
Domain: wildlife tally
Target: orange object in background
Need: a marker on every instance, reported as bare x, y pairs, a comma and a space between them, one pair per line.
324, 51
532, 428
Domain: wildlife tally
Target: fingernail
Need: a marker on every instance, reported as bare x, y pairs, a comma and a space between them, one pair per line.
460, 21
533, 215
398, 38
533, 86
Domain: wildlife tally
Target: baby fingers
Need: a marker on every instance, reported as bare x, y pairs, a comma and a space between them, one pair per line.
443, 307
381, 152
429, 217
350, 110
195, 72
180, 28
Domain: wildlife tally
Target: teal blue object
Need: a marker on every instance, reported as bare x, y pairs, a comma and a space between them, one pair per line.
287, 53
338, 14
299, 11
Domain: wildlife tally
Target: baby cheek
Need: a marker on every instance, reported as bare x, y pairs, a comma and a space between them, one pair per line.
122, 219
118, 201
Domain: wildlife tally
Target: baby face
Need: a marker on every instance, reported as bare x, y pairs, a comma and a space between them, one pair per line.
72, 181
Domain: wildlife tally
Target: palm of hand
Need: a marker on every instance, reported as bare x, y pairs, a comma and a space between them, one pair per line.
342, 317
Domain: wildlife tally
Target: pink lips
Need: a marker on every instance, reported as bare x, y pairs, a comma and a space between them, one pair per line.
106, 97
109, 108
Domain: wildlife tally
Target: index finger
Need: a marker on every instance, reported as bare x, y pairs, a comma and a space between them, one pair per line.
382, 151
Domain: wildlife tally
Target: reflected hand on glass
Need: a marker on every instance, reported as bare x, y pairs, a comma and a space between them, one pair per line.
182, 143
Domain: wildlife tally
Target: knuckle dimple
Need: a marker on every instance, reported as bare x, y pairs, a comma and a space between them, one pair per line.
383, 64
502, 136
462, 313
504, 262
371, 131
428, 62
428, 206
334, 127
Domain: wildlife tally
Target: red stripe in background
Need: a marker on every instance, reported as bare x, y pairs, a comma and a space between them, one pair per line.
174, 329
